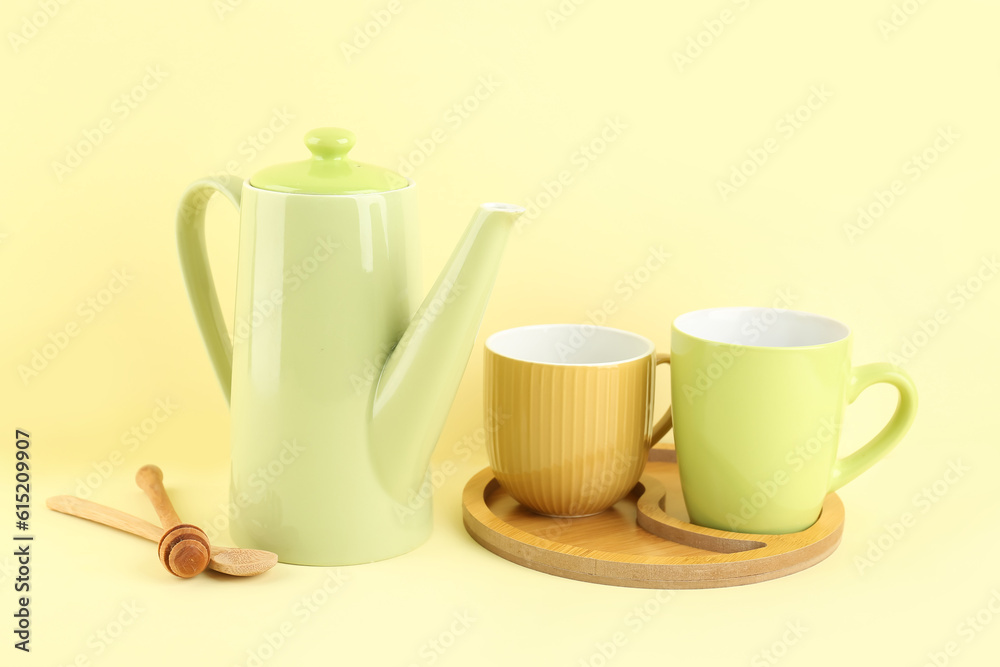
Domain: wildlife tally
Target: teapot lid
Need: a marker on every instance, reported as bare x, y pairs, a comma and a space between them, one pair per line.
329, 171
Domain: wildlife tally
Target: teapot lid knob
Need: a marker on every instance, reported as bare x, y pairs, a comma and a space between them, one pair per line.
329, 143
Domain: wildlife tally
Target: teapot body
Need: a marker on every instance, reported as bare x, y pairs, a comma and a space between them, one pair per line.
325, 288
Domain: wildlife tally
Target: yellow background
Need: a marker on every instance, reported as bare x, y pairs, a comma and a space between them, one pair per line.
683, 128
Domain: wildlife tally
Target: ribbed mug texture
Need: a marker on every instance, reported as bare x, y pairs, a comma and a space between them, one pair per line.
568, 440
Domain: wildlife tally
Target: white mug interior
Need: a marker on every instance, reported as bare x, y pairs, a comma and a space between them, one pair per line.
569, 345
761, 327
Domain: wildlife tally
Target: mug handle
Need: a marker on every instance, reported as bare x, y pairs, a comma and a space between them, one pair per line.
667, 420
198, 274
862, 377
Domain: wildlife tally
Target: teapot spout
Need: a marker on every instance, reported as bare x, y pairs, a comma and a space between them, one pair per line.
422, 374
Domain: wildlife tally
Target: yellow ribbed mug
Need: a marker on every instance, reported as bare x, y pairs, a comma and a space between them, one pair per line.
569, 412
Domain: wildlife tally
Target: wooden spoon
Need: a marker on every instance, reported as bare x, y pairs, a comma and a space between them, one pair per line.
237, 562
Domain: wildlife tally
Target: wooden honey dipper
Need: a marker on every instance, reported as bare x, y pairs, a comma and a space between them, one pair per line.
184, 548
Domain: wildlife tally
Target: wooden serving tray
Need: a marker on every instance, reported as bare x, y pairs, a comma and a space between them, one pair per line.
644, 540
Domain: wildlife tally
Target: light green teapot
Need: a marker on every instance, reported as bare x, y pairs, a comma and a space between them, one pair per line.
337, 394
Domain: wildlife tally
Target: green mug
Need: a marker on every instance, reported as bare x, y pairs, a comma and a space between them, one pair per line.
758, 397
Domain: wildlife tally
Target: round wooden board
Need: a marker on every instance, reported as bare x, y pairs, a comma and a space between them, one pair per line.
644, 540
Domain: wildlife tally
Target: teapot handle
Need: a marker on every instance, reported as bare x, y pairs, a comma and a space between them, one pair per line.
198, 273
